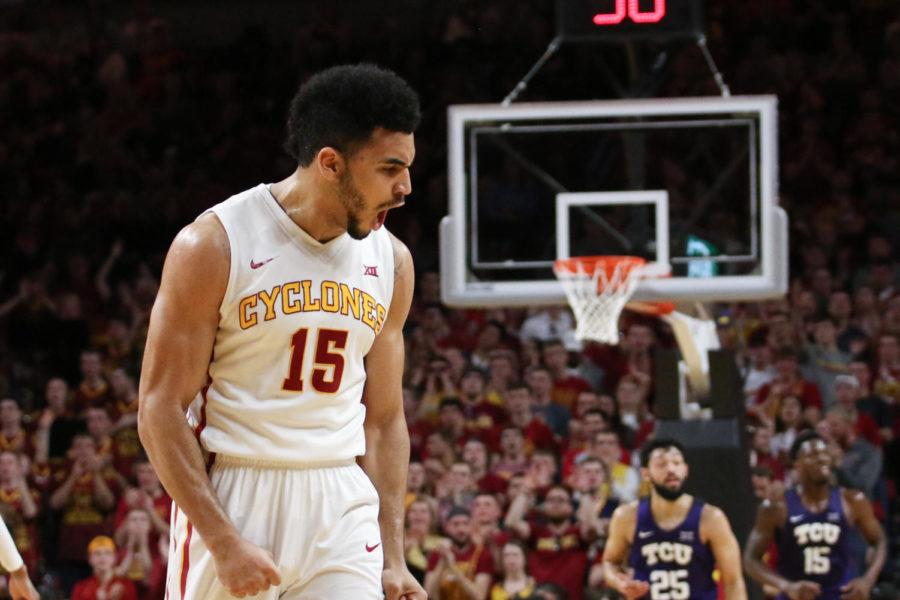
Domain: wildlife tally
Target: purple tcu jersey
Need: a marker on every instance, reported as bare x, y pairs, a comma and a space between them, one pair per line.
816, 546
676, 564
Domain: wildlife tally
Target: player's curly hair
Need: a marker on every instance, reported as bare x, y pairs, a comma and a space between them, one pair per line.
341, 107
656, 444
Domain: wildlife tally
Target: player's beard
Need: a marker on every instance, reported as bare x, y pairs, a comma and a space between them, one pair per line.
354, 204
668, 493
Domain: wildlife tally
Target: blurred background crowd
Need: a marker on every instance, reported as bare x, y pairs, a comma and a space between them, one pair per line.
120, 126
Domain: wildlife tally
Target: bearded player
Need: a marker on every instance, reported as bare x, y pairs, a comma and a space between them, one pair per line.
811, 527
278, 328
671, 542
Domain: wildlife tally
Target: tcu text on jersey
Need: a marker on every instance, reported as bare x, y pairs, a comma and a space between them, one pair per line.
667, 552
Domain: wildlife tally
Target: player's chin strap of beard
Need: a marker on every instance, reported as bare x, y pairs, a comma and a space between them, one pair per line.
670, 495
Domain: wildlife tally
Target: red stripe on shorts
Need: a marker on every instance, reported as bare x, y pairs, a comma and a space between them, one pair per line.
186, 559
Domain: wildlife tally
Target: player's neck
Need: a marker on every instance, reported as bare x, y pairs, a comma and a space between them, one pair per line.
314, 209
813, 493
669, 509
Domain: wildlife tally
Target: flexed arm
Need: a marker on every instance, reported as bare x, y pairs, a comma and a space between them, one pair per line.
182, 331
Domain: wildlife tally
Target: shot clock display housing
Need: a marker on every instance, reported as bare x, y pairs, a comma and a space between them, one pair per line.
619, 20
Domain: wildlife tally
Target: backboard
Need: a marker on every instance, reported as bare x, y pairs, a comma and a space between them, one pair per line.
689, 182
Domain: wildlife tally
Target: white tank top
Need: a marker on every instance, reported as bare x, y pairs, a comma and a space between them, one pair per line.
298, 318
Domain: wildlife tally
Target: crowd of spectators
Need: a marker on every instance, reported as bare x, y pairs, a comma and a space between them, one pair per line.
120, 130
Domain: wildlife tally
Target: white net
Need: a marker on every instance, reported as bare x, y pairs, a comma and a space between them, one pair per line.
598, 290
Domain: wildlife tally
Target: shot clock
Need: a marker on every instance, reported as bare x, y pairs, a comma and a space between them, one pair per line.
586, 20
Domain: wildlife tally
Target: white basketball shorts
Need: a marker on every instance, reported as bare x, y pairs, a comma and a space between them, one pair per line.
320, 523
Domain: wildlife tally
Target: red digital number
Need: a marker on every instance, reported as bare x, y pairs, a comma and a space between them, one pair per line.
613, 18
326, 357
632, 9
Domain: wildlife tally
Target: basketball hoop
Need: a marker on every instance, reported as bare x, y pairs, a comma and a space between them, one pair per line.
598, 289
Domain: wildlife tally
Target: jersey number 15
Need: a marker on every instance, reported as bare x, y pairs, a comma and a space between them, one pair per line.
330, 344
816, 560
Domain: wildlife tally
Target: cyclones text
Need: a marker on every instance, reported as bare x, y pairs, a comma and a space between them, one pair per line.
300, 296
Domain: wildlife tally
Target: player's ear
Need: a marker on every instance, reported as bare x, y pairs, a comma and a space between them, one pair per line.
645, 473
330, 163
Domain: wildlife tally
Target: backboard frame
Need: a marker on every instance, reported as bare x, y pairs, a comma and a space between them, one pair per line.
458, 288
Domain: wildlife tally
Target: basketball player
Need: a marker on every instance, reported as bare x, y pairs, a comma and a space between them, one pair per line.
811, 527
278, 328
671, 540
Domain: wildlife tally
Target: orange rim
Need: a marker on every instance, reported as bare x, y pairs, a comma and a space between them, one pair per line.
589, 264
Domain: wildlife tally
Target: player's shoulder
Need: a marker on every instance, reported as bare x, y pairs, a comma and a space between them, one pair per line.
200, 253
853, 496
626, 512
623, 523
712, 513
402, 255
854, 500
713, 521
773, 509
205, 235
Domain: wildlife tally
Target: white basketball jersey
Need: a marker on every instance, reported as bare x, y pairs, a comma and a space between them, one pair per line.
298, 318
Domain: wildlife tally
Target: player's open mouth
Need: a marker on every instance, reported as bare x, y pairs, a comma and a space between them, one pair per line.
382, 214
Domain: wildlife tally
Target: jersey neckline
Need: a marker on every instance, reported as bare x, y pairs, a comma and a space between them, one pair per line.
681, 523
294, 231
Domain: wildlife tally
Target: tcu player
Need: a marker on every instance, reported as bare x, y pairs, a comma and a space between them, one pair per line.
671, 541
811, 527
278, 327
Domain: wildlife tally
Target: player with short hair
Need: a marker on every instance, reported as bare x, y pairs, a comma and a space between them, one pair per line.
810, 525
672, 540
278, 328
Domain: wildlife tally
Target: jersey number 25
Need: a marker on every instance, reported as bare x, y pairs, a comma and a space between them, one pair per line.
669, 585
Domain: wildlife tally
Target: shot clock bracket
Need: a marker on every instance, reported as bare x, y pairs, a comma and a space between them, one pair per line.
624, 21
